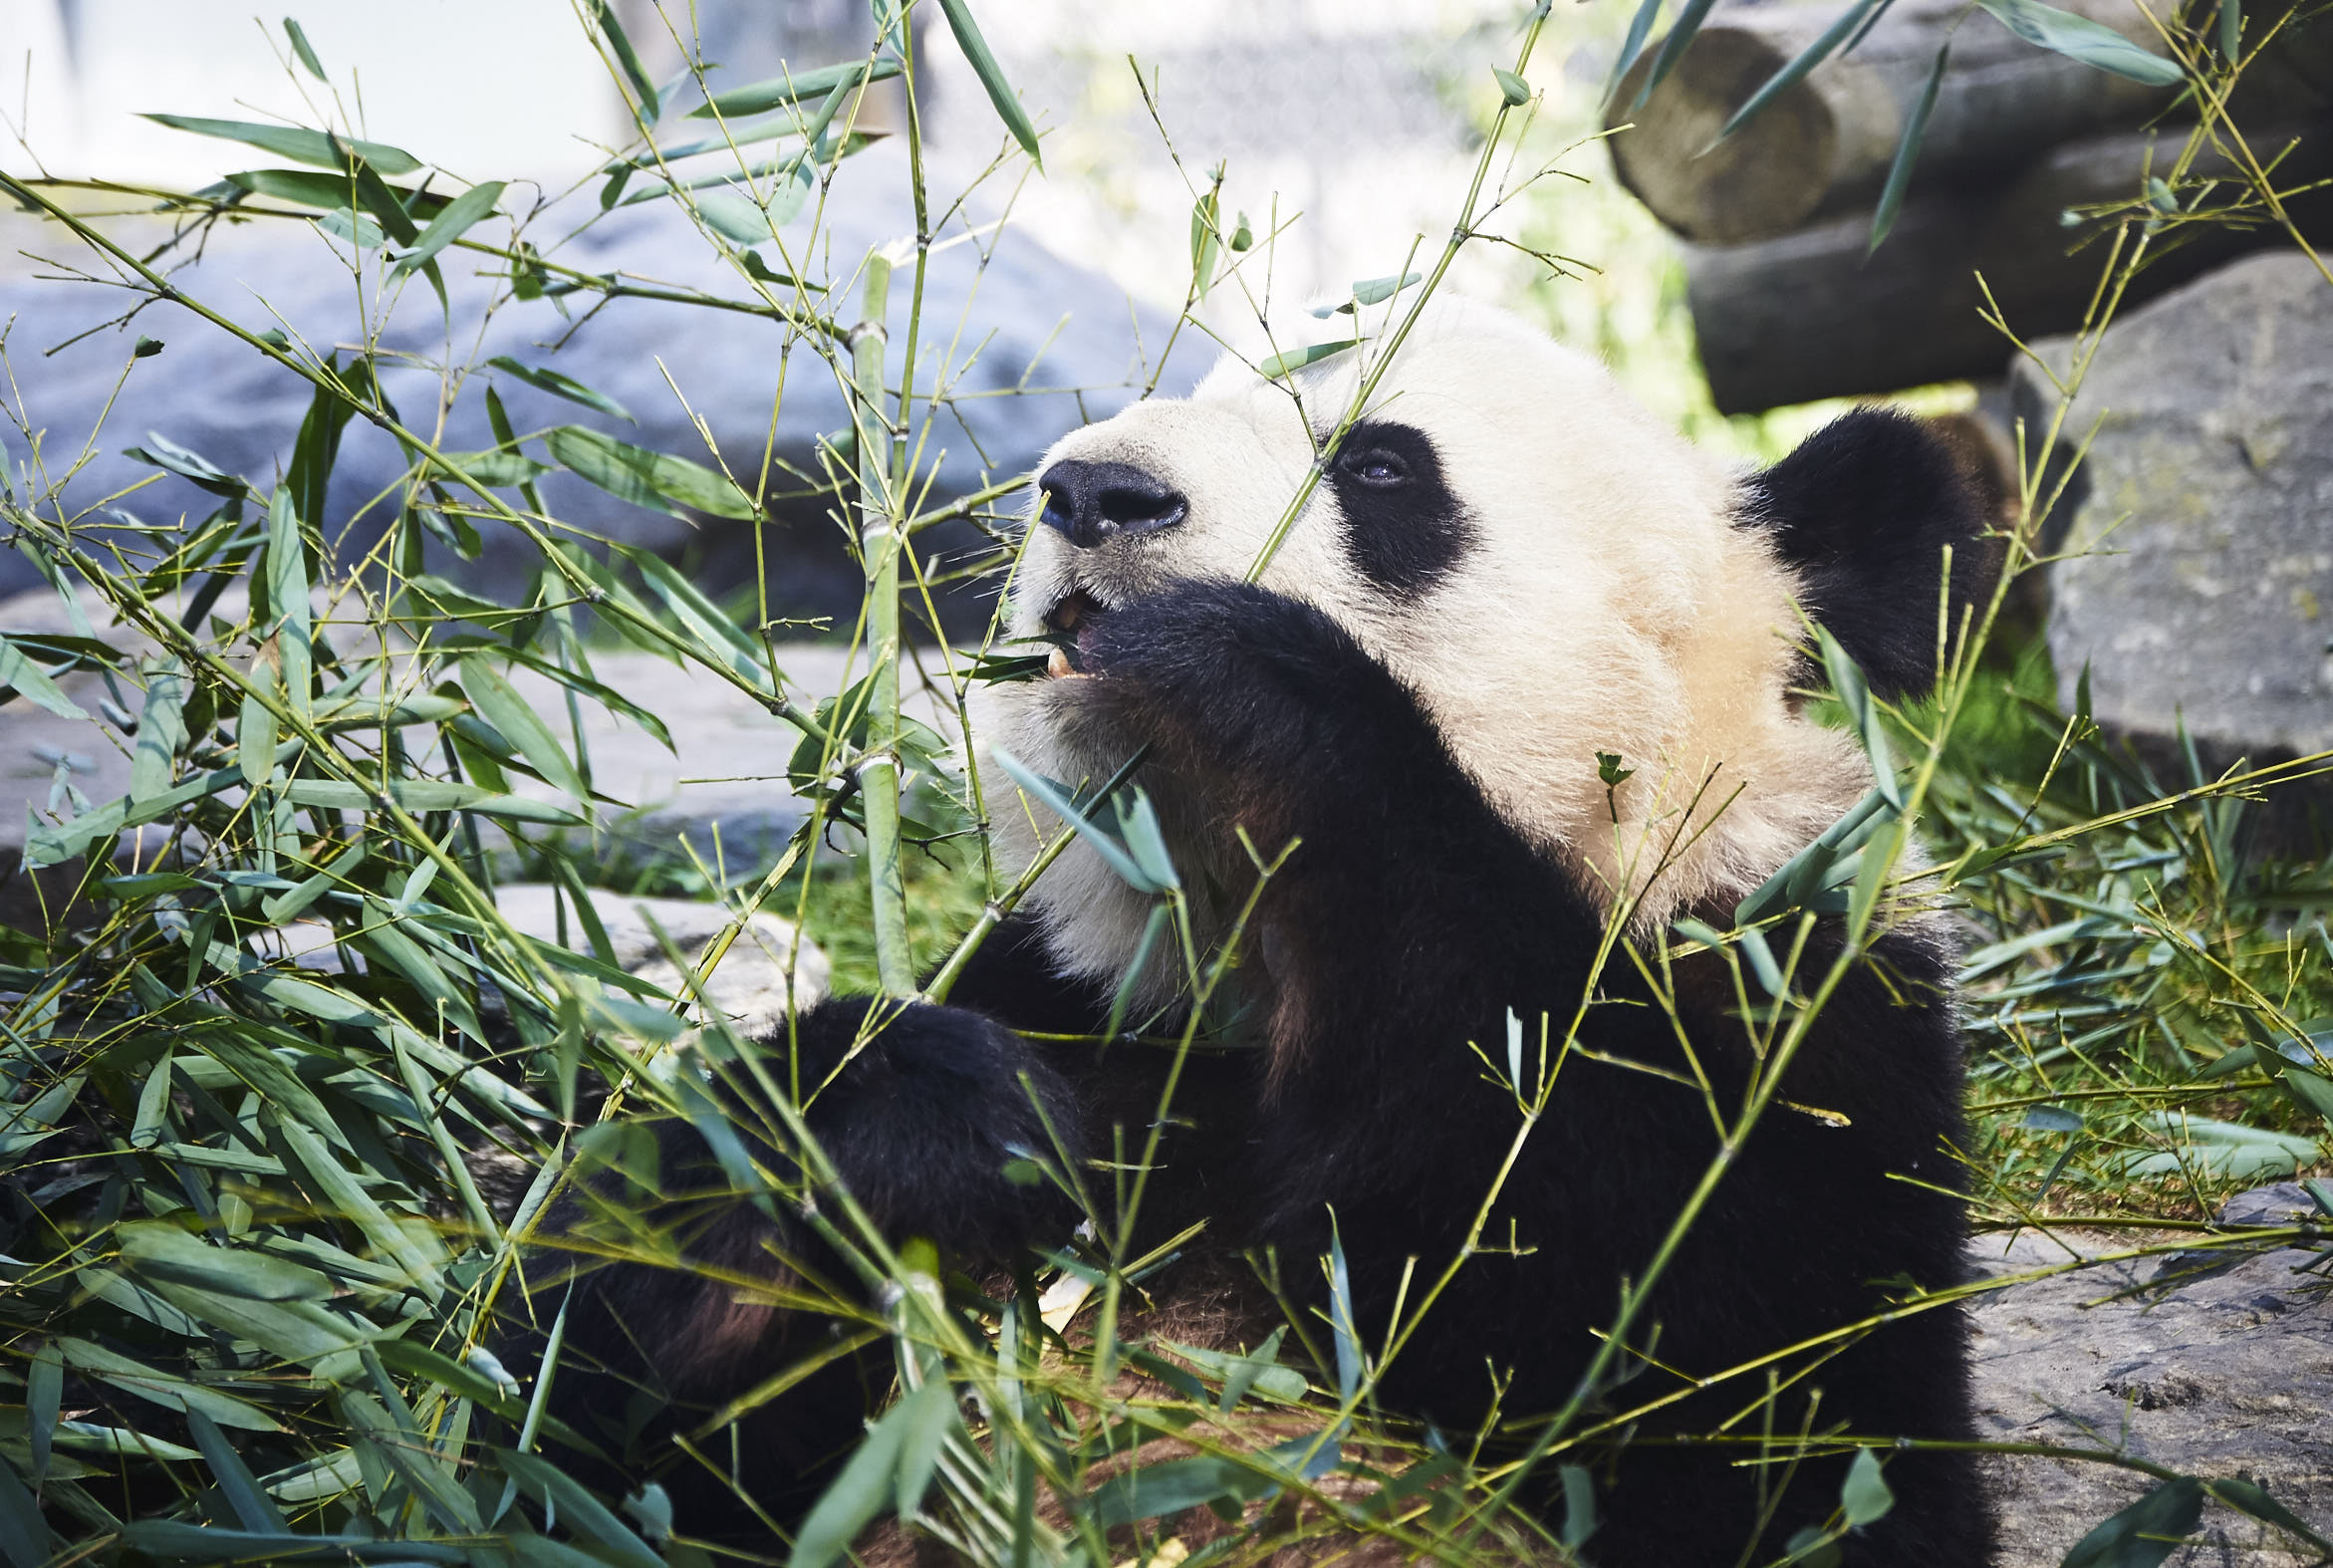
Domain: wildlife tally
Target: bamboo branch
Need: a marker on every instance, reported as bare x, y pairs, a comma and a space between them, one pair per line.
878, 548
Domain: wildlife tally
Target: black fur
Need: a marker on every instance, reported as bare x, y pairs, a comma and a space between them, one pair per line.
920, 1126
1416, 918
1404, 528
1411, 919
1863, 510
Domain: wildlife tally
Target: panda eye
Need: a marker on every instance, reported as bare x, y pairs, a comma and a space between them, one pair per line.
1375, 466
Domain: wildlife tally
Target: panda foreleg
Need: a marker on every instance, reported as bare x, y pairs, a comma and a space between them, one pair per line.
1282, 720
918, 1112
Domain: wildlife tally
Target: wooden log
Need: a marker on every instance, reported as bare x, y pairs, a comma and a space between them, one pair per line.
1808, 316
1824, 145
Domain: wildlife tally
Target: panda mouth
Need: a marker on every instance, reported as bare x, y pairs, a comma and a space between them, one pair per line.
1071, 624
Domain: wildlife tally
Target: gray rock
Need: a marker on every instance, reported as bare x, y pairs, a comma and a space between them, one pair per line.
767, 972
720, 794
2214, 1372
2207, 498
1038, 322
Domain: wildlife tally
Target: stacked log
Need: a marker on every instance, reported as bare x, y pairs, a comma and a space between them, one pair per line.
1788, 301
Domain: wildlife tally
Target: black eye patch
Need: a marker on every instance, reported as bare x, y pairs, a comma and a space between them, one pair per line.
1404, 528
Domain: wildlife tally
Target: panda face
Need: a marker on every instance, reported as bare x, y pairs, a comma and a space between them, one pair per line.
1552, 572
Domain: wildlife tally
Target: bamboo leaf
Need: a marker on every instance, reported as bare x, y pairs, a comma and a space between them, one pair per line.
762, 97
745, 219
178, 1541
499, 703
856, 1496
991, 75
256, 731
1511, 88
1368, 291
1865, 1497
287, 598
1155, 1490
43, 1399
2246, 1496
300, 147
1376, 290
2052, 1118
1882, 217
164, 1388
1640, 27
655, 480
162, 732
559, 385
929, 1417
1341, 1320
416, 1250
1753, 947
1863, 712
1280, 364
2078, 38
300, 47
1137, 828
578, 1509
1204, 243
620, 44
19, 674
161, 453
1817, 865
253, 1508
1579, 1507
472, 206
713, 627
1051, 797
1672, 47
1804, 61
2144, 1534
427, 795
159, 1252
298, 186
153, 1104
496, 469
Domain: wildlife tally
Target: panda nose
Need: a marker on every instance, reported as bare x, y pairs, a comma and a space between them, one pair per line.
1091, 502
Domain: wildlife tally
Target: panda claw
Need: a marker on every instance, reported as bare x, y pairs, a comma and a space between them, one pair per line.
1058, 666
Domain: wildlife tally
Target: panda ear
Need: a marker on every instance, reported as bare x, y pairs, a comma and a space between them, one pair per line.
1861, 512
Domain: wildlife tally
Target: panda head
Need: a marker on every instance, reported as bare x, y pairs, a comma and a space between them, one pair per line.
1547, 567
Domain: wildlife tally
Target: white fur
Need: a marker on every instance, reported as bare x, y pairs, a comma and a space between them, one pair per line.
1609, 603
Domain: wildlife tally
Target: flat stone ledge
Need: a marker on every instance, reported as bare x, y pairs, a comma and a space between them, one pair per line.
767, 972
720, 795
2219, 1373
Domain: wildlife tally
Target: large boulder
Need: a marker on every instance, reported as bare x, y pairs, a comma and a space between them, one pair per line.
1035, 321
2203, 512
2211, 1363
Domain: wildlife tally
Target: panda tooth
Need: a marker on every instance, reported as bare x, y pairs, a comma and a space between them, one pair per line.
1059, 663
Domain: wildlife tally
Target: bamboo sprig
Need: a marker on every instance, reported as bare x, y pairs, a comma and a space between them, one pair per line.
414, 442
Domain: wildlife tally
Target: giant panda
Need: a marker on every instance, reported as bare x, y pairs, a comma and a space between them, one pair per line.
1505, 569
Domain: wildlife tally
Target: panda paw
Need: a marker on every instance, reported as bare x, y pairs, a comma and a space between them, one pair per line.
928, 1116
1258, 691
935, 1118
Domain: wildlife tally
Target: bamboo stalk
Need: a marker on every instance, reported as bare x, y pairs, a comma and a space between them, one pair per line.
878, 548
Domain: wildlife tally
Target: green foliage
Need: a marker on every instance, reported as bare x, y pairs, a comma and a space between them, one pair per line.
2156, 999
295, 1121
